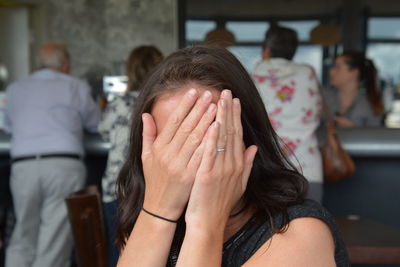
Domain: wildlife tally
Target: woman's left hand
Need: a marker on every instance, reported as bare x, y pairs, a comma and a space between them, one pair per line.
222, 176
343, 122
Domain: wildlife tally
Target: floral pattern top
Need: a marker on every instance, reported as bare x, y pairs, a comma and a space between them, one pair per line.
115, 128
293, 103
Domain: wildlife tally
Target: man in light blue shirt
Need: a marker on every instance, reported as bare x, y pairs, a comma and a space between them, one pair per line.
46, 114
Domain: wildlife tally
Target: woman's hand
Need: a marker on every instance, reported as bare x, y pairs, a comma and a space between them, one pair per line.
343, 122
171, 160
222, 175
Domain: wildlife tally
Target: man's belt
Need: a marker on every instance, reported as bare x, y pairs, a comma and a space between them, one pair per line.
45, 156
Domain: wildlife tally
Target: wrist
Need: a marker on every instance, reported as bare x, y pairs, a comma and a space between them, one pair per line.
158, 216
206, 228
172, 213
205, 234
155, 224
206, 222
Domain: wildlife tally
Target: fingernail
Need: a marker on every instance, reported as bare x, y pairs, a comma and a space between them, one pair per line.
226, 93
192, 92
206, 95
236, 101
211, 108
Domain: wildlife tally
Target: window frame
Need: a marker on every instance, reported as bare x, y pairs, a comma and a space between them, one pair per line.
222, 20
368, 39
371, 40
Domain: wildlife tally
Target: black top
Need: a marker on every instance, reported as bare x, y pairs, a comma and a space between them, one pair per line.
242, 245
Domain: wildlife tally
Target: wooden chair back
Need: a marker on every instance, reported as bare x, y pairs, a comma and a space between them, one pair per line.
86, 218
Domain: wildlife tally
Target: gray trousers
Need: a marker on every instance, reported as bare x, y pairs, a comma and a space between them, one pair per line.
42, 235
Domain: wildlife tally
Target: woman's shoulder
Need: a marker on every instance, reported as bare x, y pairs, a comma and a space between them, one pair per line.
312, 209
306, 240
362, 113
306, 222
362, 104
309, 208
118, 111
121, 105
309, 221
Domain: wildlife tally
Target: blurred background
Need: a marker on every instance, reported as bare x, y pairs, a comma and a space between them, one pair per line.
101, 33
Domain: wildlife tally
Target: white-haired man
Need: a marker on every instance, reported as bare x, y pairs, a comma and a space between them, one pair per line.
46, 114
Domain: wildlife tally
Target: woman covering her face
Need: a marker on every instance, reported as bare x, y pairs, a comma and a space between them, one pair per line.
357, 100
206, 184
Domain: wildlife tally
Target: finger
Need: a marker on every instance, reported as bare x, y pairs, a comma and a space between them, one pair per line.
177, 117
249, 156
195, 160
196, 137
221, 119
191, 121
229, 126
238, 146
149, 133
210, 148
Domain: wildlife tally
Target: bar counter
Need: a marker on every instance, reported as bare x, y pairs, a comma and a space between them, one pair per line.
359, 142
372, 193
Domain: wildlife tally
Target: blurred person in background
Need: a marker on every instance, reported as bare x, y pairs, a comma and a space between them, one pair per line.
292, 99
355, 99
115, 128
45, 114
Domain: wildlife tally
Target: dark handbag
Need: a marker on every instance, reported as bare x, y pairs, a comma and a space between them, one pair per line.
337, 163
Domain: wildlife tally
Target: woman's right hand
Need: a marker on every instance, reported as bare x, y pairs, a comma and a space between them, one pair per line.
171, 159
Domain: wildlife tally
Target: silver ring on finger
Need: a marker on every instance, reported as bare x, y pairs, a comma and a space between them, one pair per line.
221, 149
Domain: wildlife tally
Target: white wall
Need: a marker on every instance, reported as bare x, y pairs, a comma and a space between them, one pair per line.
14, 41
99, 33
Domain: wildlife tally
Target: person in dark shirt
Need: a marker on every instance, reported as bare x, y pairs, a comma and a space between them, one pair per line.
206, 183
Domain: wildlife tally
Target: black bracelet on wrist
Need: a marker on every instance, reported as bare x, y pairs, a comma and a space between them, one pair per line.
159, 217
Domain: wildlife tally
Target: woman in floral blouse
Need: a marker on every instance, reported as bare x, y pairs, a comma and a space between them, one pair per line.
115, 128
292, 99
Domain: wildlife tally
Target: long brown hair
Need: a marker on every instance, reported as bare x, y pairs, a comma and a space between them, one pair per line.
368, 75
140, 62
274, 183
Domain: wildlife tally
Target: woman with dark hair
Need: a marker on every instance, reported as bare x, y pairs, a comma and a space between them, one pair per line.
114, 128
206, 183
357, 100
140, 62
